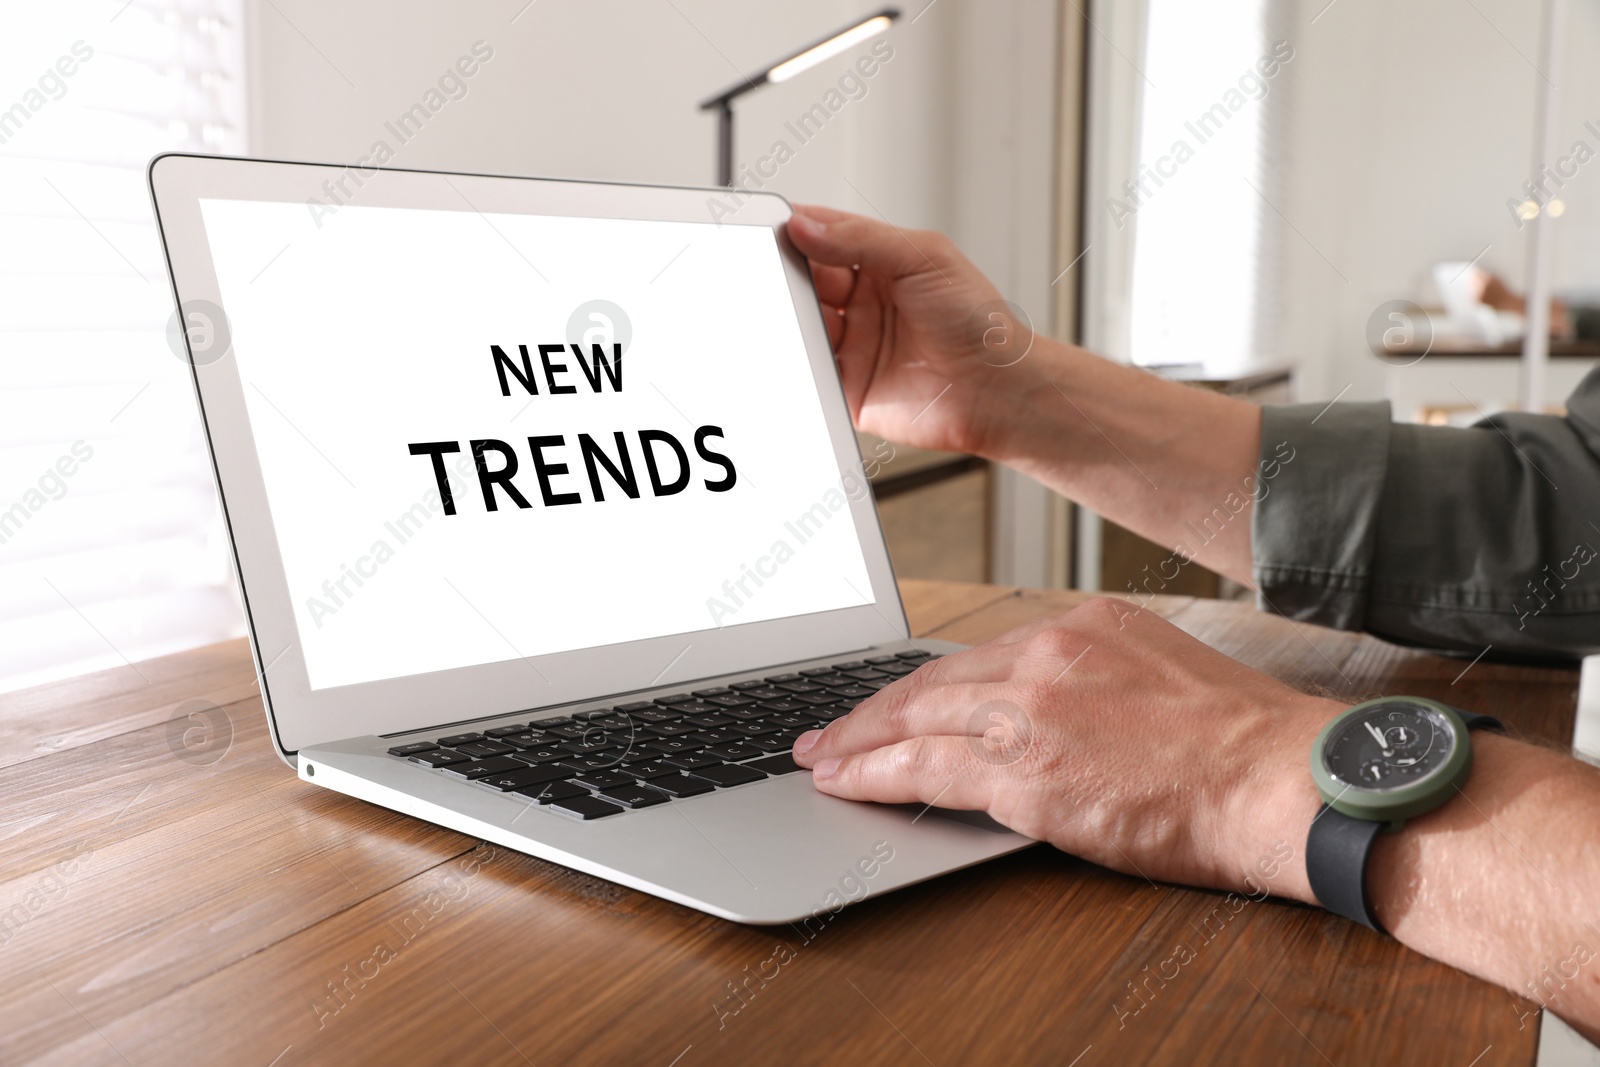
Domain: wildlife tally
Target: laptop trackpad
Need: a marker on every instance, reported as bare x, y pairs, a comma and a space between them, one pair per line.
978, 820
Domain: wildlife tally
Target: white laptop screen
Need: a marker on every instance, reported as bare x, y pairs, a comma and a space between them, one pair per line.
486, 437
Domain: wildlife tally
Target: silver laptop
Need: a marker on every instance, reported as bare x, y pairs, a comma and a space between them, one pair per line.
549, 520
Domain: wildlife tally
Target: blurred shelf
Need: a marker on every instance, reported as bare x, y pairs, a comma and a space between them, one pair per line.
1469, 348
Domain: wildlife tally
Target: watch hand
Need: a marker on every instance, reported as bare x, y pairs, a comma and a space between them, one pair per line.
1377, 735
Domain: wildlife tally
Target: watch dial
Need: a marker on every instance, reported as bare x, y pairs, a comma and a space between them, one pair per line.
1389, 747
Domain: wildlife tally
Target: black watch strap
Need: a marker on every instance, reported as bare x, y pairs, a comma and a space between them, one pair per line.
1338, 847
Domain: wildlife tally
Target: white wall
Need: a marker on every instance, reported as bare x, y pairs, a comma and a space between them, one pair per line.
607, 89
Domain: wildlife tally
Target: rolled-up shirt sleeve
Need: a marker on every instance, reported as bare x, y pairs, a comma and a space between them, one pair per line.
1434, 536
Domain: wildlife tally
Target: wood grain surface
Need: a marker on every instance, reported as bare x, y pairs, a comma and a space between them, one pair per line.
170, 893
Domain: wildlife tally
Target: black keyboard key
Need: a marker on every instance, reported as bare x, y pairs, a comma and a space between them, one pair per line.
669, 729
734, 751
717, 737
780, 764
811, 700
746, 714
667, 746
603, 779
582, 764
716, 691
754, 683
543, 754
800, 687
528, 739
586, 807
754, 729
637, 754
413, 748
525, 777
691, 760
551, 723
792, 721
732, 700
860, 692
853, 665
506, 731
849, 702
655, 716
709, 721
482, 749
727, 775
652, 769
876, 684
546, 792
865, 674
588, 746
828, 681
439, 758
772, 743
483, 768
766, 692
569, 732
778, 679
637, 705
634, 796
695, 707
614, 723
459, 739
812, 672
680, 785
675, 698
785, 703
883, 659
899, 670
830, 713
590, 715
916, 653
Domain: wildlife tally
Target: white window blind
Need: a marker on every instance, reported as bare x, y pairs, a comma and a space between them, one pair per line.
1199, 199
111, 544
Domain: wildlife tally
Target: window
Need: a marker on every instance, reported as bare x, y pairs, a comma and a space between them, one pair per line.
112, 548
1198, 200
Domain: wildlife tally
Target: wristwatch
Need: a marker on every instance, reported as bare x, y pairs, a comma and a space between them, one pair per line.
1377, 765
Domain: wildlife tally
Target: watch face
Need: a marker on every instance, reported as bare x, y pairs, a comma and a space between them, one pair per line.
1389, 746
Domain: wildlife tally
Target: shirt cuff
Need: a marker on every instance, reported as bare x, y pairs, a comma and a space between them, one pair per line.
1321, 479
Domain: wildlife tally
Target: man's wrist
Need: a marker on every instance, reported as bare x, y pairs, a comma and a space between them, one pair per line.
1011, 418
1272, 811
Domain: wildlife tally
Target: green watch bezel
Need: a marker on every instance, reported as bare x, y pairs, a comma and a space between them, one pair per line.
1394, 806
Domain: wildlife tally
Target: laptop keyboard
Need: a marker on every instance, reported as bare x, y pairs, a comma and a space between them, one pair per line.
600, 762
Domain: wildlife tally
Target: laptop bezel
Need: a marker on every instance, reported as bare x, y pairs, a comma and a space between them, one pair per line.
300, 716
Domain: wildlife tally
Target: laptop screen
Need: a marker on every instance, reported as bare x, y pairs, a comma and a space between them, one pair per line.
494, 436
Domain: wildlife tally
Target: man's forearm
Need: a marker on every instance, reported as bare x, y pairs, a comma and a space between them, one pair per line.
1173, 463
1503, 881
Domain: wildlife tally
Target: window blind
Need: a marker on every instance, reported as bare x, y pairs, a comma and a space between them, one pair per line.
112, 548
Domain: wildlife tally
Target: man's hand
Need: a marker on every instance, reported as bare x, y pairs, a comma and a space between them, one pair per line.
1107, 732
932, 356
911, 318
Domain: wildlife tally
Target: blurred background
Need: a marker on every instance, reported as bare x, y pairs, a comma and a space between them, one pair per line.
1288, 201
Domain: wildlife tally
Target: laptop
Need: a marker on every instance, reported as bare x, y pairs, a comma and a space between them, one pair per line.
549, 521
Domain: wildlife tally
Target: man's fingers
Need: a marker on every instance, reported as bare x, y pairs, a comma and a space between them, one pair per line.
834, 322
925, 770
840, 239
834, 284
899, 712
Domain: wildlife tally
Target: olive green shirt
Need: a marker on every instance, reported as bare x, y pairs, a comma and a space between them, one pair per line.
1435, 536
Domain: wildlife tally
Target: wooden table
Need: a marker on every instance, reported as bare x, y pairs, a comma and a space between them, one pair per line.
174, 899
